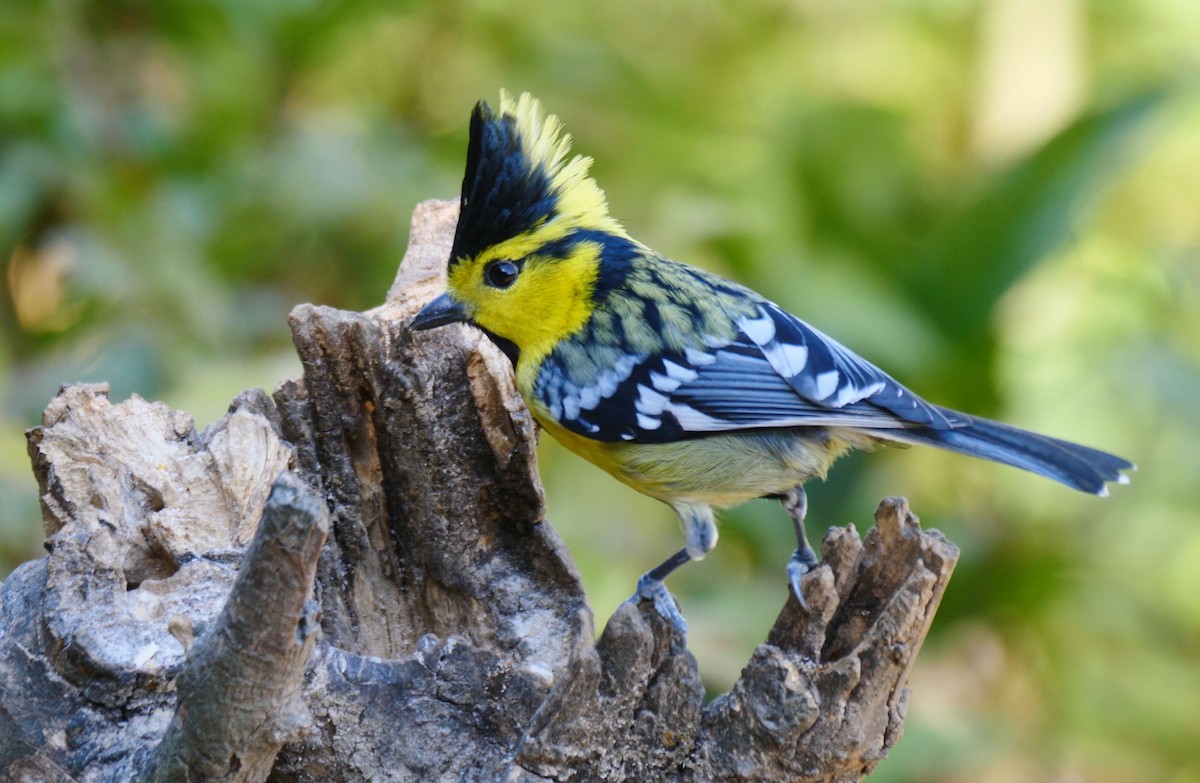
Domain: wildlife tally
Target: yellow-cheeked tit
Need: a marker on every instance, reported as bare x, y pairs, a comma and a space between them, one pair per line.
687, 387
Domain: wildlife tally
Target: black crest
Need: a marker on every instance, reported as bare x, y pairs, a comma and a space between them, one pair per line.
505, 192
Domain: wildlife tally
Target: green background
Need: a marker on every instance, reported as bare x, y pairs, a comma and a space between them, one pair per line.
999, 202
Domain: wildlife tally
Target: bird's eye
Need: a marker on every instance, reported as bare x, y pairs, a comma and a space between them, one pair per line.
501, 274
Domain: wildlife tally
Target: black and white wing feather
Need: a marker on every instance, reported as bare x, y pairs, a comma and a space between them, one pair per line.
780, 372
777, 372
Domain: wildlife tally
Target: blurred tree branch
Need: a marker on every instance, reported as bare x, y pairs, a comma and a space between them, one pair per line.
171, 633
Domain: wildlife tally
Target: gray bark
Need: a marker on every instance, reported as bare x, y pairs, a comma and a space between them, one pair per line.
173, 631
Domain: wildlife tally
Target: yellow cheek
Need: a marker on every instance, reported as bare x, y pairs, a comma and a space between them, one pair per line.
551, 300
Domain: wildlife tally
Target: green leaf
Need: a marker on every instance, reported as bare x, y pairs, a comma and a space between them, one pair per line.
960, 274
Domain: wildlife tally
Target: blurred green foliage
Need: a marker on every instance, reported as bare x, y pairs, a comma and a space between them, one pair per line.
997, 201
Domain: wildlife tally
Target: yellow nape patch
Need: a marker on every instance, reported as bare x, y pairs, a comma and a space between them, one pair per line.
580, 201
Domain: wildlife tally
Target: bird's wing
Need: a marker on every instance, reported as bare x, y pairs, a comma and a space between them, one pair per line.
777, 372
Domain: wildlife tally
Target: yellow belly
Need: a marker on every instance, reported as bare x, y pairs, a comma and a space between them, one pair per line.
720, 470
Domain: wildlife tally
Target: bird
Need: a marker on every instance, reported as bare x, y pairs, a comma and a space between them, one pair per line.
686, 386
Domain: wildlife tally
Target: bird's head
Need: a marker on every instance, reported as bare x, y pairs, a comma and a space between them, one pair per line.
532, 230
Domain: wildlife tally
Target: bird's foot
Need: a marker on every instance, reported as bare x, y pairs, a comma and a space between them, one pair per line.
803, 560
651, 589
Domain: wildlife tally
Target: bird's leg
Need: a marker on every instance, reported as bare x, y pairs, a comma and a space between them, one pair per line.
700, 536
650, 587
804, 558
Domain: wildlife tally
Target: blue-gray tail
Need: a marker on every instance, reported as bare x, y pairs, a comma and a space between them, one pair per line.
1079, 467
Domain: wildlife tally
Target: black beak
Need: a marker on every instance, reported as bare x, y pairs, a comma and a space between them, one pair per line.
439, 312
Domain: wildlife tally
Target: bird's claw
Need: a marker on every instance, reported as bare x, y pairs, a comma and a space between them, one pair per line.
801, 563
650, 589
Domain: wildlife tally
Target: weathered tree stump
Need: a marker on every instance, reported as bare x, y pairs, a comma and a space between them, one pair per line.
353, 580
